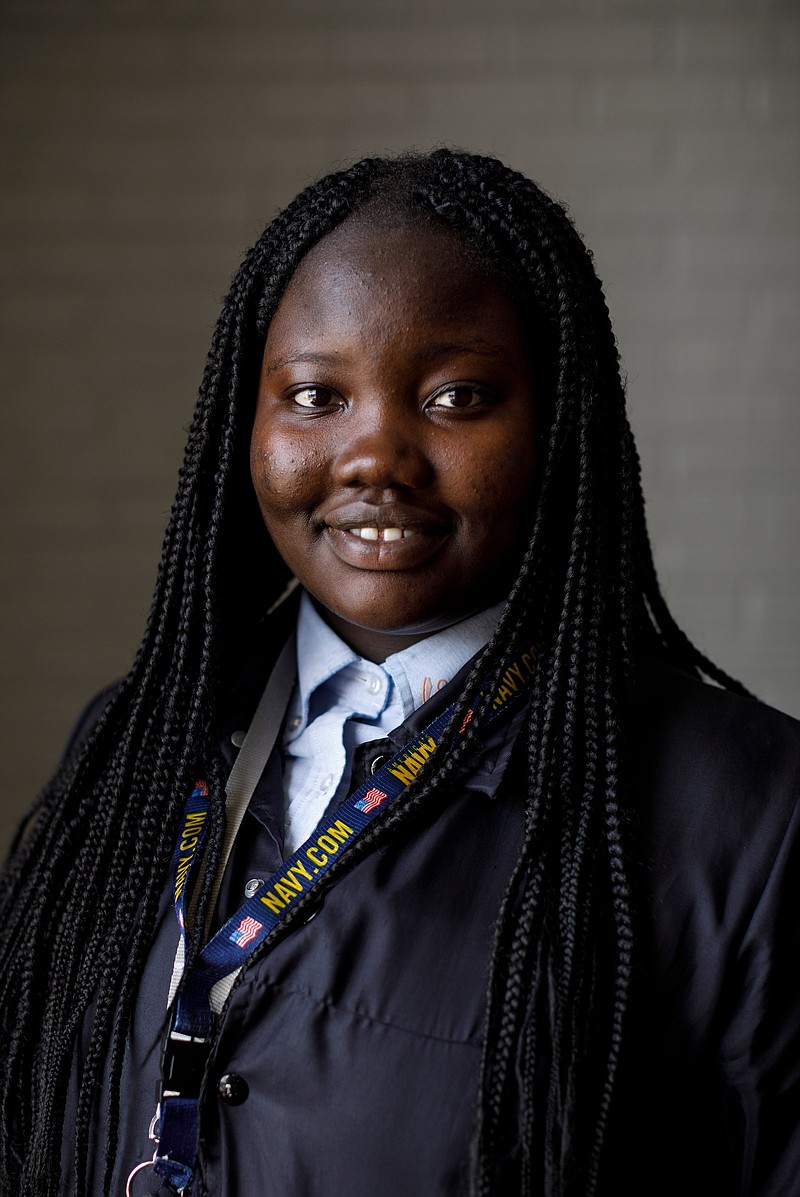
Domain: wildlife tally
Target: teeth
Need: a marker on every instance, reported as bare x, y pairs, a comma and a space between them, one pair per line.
379, 533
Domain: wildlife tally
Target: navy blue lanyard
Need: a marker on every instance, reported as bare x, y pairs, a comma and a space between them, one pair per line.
190, 1031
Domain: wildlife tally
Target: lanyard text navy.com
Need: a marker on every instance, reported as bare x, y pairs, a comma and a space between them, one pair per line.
275, 898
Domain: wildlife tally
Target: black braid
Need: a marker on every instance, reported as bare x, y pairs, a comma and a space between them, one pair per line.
586, 594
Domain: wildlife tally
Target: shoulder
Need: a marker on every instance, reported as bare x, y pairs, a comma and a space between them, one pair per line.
706, 754
716, 782
677, 709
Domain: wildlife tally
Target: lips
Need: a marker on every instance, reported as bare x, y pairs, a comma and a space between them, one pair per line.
391, 537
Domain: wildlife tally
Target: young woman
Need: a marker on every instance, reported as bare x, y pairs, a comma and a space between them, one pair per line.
503, 900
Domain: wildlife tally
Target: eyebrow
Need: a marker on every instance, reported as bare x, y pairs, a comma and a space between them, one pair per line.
304, 357
429, 352
470, 345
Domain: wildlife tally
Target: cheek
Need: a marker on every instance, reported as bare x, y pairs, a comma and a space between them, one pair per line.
286, 473
499, 487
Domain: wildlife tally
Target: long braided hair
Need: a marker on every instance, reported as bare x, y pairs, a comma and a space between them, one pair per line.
587, 595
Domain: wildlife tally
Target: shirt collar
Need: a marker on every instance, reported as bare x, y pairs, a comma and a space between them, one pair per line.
422, 669
417, 671
320, 653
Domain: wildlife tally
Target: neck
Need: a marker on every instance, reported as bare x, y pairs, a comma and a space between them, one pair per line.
370, 644
376, 645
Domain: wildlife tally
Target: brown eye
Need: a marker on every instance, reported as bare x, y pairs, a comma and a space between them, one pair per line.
317, 398
460, 395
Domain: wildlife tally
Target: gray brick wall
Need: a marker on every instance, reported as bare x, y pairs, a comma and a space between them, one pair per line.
144, 145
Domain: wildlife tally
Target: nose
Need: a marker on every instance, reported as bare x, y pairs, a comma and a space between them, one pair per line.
386, 451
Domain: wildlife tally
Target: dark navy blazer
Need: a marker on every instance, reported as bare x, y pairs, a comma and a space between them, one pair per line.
355, 1044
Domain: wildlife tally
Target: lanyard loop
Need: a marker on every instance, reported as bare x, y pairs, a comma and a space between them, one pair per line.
189, 1038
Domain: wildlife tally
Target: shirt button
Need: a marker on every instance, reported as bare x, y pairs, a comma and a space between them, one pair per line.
252, 886
374, 685
326, 781
295, 723
377, 762
238, 738
233, 1089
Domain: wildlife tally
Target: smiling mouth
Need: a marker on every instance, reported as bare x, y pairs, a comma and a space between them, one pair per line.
385, 547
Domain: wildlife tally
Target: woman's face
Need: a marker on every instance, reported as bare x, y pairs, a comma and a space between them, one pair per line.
393, 449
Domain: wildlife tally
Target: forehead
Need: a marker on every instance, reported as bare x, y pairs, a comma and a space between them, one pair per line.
396, 276
383, 247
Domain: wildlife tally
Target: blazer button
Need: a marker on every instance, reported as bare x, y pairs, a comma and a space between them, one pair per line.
233, 1089
312, 911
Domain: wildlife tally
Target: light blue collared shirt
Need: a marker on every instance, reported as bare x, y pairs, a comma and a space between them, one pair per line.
341, 701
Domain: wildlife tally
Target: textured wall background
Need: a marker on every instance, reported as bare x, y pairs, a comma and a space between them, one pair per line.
144, 145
